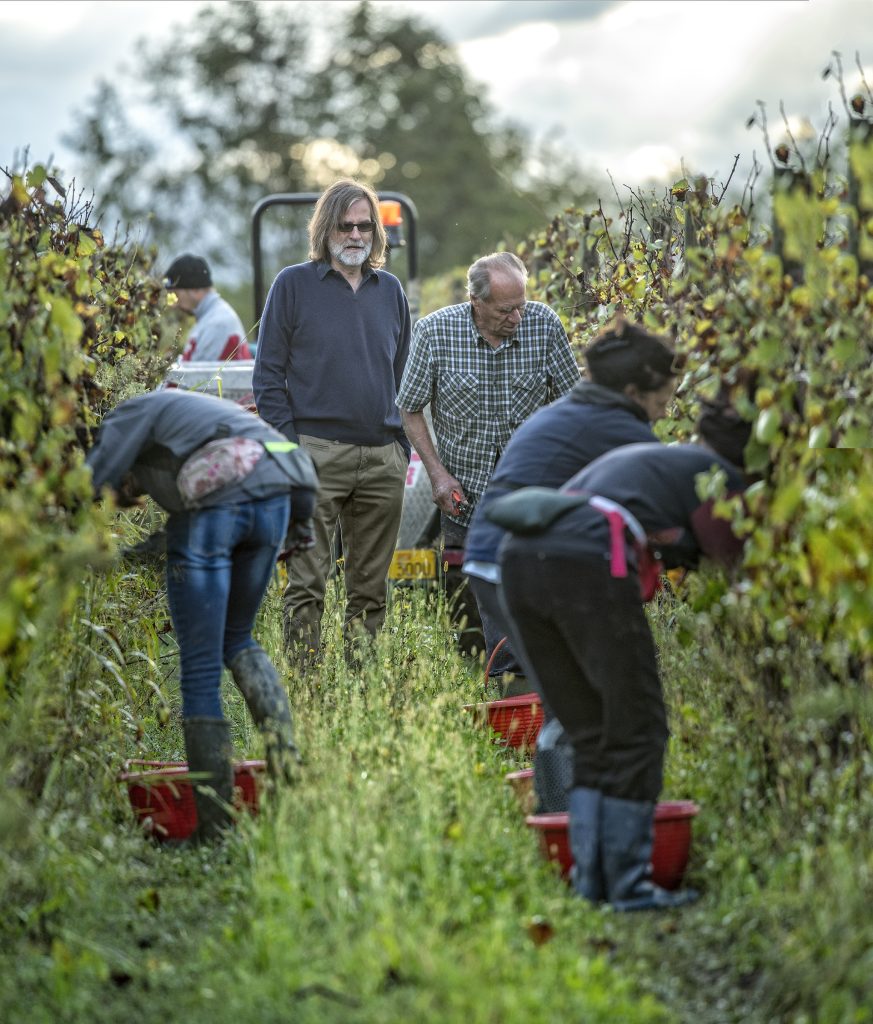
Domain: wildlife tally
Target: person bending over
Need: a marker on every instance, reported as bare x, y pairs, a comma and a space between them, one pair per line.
631, 379
575, 575
238, 494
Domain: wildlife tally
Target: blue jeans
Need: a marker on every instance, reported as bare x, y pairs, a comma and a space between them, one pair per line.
219, 563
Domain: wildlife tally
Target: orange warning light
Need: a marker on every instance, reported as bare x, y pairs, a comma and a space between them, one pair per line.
390, 213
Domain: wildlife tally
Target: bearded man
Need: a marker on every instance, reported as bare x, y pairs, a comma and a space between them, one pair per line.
332, 348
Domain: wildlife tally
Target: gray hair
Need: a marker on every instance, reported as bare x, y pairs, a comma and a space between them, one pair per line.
330, 210
479, 274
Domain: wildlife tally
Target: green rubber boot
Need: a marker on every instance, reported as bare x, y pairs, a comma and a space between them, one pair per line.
207, 744
258, 681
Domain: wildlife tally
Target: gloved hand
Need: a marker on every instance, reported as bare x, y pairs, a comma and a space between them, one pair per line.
152, 549
300, 537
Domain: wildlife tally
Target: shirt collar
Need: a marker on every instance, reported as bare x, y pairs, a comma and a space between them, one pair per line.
323, 268
205, 303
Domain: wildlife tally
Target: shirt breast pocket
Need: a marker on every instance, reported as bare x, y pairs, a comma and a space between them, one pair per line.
462, 395
529, 392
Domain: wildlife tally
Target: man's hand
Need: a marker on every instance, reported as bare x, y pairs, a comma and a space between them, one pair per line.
129, 494
449, 495
300, 537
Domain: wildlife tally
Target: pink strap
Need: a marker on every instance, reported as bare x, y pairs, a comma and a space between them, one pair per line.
617, 556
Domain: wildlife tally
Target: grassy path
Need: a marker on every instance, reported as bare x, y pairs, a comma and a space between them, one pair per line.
397, 882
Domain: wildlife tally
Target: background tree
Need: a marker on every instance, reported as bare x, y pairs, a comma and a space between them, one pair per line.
204, 127
395, 92
253, 100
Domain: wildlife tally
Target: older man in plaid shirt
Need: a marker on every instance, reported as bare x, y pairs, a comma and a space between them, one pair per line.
484, 366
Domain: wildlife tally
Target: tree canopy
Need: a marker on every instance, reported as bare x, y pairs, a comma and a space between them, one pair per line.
252, 100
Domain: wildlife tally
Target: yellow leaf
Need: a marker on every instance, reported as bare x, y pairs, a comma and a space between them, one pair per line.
85, 246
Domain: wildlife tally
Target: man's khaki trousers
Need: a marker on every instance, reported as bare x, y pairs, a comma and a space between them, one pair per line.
362, 489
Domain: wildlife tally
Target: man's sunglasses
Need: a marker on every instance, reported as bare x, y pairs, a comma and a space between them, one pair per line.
366, 227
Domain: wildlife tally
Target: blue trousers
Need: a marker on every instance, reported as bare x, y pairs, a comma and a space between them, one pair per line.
219, 564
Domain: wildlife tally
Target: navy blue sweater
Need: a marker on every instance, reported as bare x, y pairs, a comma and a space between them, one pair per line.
330, 359
551, 446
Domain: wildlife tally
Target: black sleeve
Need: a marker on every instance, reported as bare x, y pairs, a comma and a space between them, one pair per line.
271, 360
302, 503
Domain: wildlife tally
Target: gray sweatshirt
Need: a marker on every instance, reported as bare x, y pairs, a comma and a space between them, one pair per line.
153, 434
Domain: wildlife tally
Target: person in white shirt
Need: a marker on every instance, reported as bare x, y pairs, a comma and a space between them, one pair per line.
218, 334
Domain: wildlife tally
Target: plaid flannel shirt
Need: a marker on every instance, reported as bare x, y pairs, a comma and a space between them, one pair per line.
478, 395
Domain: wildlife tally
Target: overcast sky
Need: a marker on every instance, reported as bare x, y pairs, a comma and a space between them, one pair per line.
631, 86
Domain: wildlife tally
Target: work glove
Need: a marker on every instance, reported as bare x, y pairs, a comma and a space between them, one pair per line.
300, 537
152, 549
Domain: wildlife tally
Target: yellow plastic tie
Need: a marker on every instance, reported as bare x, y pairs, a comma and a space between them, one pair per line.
280, 446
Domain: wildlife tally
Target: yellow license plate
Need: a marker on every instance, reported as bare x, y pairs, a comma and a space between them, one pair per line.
413, 564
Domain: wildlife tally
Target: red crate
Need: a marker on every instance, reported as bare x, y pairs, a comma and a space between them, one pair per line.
670, 851
517, 720
162, 796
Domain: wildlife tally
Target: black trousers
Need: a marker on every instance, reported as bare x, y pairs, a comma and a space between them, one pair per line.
494, 627
588, 643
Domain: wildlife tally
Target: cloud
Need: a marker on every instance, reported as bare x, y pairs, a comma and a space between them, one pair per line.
51, 55
463, 20
643, 81
632, 87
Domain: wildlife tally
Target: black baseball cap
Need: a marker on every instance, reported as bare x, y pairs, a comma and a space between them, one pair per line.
187, 271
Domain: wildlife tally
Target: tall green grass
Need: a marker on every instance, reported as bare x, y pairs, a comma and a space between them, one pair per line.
779, 754
396, 880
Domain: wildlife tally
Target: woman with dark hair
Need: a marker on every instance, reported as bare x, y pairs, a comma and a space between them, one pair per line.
575, 577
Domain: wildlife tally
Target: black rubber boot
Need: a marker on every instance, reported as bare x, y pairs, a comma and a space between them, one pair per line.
585, 827
207, 744
258, 681
627, 836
